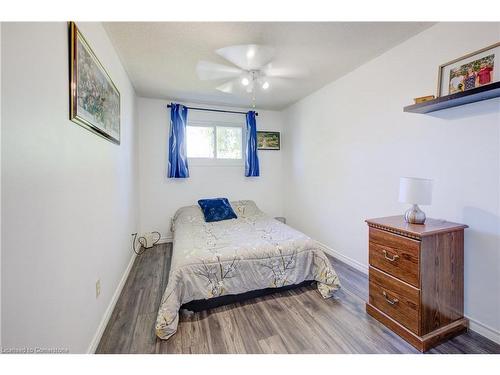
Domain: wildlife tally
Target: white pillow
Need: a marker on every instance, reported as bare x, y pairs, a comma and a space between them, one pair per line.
245, 208
188, 214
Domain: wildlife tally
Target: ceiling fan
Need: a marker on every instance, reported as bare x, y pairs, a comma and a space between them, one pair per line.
252, 69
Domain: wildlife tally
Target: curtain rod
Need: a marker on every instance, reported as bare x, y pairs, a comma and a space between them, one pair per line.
214, 110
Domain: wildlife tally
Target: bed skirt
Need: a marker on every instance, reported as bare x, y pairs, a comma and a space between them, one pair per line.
205, 304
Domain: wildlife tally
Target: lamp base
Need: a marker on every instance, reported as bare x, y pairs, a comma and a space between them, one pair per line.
415, 215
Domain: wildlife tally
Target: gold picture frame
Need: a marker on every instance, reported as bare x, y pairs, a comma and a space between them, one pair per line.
465, 60
94, 98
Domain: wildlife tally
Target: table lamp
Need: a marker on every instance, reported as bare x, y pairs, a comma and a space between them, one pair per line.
415, 191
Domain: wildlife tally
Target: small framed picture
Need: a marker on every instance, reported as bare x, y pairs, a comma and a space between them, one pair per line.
268, 140
473, 70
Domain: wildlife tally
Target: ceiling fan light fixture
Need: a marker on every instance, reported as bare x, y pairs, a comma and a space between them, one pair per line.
251, 53
253, 70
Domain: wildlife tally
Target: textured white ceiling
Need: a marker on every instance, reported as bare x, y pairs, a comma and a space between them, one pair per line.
161, 57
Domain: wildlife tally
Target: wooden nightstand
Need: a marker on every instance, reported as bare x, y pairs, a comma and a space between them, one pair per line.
416, 279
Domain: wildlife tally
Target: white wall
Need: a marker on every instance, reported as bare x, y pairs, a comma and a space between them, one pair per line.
160, 196
69, 197
347, 144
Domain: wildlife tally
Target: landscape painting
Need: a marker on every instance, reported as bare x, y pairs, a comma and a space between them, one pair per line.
268, 140
94, 99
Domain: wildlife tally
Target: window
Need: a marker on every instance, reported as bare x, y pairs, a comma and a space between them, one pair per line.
200, 142
215, 141
229, 142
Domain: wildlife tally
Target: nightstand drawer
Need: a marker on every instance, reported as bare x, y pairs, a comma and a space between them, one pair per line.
400, 262
396, 255
393, 297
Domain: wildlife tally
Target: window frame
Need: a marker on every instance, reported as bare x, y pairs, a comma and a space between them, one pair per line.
215, 161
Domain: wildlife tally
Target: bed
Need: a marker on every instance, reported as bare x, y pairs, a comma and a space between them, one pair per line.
235, 257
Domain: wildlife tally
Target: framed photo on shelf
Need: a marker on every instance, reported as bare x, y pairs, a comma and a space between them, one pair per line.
94, 98
268, 140
473, 70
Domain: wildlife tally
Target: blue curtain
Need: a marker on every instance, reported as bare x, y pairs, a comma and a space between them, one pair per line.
251, 158
177, 152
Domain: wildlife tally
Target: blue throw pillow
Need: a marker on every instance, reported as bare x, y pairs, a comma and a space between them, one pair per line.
216, 209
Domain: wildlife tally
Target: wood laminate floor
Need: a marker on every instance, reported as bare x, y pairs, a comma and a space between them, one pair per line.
294, 321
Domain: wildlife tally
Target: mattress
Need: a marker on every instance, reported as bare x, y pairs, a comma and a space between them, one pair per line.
235, 256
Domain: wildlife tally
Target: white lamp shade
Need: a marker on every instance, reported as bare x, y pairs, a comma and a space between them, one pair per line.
415, 190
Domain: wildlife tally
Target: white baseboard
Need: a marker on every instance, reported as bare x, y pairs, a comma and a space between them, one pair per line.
166, 239
351, 262
104, 322
474, 325
484, 330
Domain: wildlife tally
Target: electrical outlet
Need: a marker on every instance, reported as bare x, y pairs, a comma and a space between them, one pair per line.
97, 288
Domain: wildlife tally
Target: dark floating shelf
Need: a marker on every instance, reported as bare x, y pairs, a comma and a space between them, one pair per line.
454, 100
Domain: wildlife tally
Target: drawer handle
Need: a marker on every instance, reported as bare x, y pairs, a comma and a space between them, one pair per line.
390, 259
388, 300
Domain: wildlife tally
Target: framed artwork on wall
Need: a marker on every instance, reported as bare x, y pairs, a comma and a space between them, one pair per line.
268, 140
473, 70
94, 98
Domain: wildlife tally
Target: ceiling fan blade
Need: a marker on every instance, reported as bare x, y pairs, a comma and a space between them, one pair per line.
274, 70
247, 56
274, 83
230, 87
208, 70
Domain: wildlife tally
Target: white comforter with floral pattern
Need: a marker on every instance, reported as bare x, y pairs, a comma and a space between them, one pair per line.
235, 256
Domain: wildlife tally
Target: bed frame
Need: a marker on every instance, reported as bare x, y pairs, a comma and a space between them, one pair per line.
205, 304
